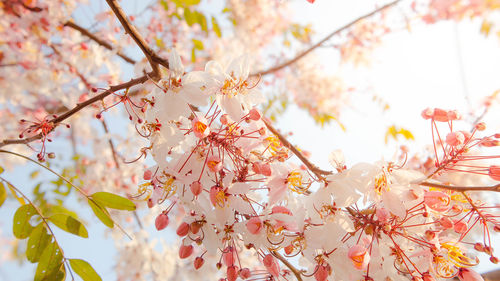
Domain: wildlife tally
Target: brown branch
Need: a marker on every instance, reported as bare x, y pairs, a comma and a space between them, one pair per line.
295, 271
317, 171
495, 188
99, 41
328, 37
137, 37
55, 121
111, 144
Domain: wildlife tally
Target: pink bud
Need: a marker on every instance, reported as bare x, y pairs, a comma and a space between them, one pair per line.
382, 214
446, 222
427, 277
198, 262
150, 203
322, 272
262, 168
232, 273
427, 113
494, 172
254, 225
183, 229
481, 126
147, 175
245, 273
466, 274
196, 188
195, 227
281, 210
460, 227
455, 138
185, 251
228, 256
161, 221
453, 115
271, 265
254, 114
440, 115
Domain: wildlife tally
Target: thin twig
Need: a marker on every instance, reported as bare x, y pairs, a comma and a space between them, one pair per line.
317, 171
495, 188
77, 108
295, 271
328, 37
99, 41
111, 144
152, 57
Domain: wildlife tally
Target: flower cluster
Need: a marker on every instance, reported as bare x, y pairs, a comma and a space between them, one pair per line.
230, 183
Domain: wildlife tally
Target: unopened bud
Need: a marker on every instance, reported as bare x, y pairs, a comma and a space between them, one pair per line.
479, 247
51, 155
481, 126
494, 259
161, 221
183, 229
198, 262
185, 251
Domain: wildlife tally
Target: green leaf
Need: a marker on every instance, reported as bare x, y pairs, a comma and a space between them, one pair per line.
189, 16
198, 45
84, 270
50, 263
3, 193
164, 4
102, 214
21, 226
113, 201
69, 224
201, 20
38, 241
216, 27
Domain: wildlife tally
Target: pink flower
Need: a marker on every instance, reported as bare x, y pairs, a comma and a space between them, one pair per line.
494, 172
466, 274
437, 201
200, 127
214, 164
455, 138
254, 225
359, 256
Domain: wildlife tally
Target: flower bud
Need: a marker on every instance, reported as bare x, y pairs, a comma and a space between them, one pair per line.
479, 247
196, 188
161, 221
198, 262
194, 227
254, 114
245, 273
460, 227
147, 175
185, 251
232, 273
183, 229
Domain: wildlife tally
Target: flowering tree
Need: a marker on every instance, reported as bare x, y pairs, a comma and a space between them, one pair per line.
205, 157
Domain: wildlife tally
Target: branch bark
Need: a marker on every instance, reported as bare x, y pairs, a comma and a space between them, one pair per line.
78, 107
99, 41
322, 41
495, 188
317, 171
152, 57
295, 271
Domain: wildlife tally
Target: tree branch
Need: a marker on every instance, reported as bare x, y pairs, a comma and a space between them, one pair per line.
317, 171
328, 37
495, 188
295, 271
77, 108
99, 41
139, 40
